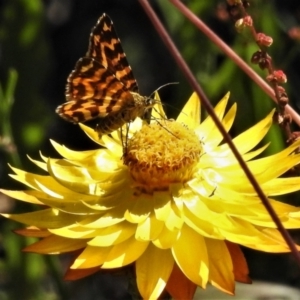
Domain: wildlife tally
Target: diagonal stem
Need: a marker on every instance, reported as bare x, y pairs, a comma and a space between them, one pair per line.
205, 102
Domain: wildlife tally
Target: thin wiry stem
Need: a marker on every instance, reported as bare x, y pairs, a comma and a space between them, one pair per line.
276, 78
205, 102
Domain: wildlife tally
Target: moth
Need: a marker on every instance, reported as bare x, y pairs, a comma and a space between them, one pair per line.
102, 84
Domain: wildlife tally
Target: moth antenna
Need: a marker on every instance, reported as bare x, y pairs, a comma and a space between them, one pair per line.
162, 86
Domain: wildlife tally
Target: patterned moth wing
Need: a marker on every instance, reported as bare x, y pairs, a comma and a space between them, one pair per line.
102, 84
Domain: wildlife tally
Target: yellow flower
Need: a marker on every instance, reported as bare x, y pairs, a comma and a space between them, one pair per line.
176, 203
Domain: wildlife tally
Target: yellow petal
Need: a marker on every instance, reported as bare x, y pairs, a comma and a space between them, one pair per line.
71, 154
194, 263
74, 231
112, 235
55, 245
207, 128
41, 165
244, 233
220, 266
74, 178
166, 238
191, 112
29, 179
92, 134
249, 155
135, 126
157, 110
105, 160
91, 257
215, 137
140, 210
149, 229
44, 183
114, 147
124, 253
108, 201
162, 205
224, 195
66, 203
280, 186
21, 195
153, 269
203, 212
278, 238
245, 140
103, 220
203, 227
47, 218
174, 220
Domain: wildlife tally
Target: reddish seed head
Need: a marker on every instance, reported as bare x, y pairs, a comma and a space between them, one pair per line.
280, 76
263, 40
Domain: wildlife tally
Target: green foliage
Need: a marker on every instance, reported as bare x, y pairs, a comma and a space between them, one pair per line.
23, 120
24, 48
6, 103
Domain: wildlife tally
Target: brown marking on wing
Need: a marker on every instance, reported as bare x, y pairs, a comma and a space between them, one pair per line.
84, 110
106, 47
91, 80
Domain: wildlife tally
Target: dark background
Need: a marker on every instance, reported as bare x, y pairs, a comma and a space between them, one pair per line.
42, 41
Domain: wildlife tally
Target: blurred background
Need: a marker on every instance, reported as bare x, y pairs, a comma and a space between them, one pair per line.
40, 42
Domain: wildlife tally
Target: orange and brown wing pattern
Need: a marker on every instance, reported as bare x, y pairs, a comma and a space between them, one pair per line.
101, 82
92, 91
106, 47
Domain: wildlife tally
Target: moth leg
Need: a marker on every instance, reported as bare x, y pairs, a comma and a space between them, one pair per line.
125, 138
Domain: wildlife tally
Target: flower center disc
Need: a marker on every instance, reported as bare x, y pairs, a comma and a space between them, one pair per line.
161, 154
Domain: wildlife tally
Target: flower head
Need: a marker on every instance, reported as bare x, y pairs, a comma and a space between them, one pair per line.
176, 205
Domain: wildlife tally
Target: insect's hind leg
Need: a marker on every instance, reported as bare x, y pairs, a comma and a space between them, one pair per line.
124, 137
